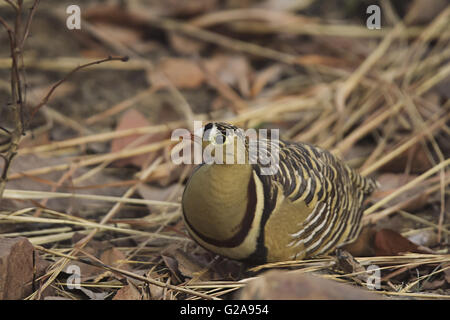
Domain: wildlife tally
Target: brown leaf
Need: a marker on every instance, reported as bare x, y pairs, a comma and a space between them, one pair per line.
114, 257
235, 71
363, 246
172, 264
191, 267
98, 249
133, 119
182, 73
295, 285
128, 292
156, 292
391, 243
125, 36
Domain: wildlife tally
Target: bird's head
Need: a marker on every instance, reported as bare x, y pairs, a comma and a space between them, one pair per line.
224, 143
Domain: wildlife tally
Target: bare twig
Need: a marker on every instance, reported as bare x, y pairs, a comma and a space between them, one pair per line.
57, 84
17, 39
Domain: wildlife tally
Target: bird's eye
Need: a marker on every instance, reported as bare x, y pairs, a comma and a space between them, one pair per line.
220, 139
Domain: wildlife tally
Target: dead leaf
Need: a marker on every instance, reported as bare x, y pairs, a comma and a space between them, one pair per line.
128, 292
385, 242
191, 267
114, 257
133, 119
156, 292
363, 246
172, 264
234, 70
390, 243
295, 285
125, 36
96, 249
182, 73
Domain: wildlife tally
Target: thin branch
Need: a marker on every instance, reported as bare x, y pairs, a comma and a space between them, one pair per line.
6, 25
57, 84
13, 5
28, 24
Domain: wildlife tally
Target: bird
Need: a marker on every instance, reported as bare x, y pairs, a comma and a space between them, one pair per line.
308, 207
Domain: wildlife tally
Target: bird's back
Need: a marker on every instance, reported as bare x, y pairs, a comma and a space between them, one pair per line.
324, 191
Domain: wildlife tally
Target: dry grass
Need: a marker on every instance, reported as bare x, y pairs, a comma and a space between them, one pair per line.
386, 99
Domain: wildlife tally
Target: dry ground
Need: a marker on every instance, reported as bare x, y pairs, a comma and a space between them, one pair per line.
93, 185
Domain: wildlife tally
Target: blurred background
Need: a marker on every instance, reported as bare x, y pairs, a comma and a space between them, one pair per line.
377, 98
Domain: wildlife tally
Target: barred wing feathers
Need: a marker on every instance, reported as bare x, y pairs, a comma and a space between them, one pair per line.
332, 191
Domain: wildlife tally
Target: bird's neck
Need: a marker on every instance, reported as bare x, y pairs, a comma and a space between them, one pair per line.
231, 177
222, 197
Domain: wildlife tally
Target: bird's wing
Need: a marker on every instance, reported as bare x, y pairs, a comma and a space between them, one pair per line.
332, 191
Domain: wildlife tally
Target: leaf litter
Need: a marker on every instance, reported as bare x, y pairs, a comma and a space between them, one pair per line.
375, 99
